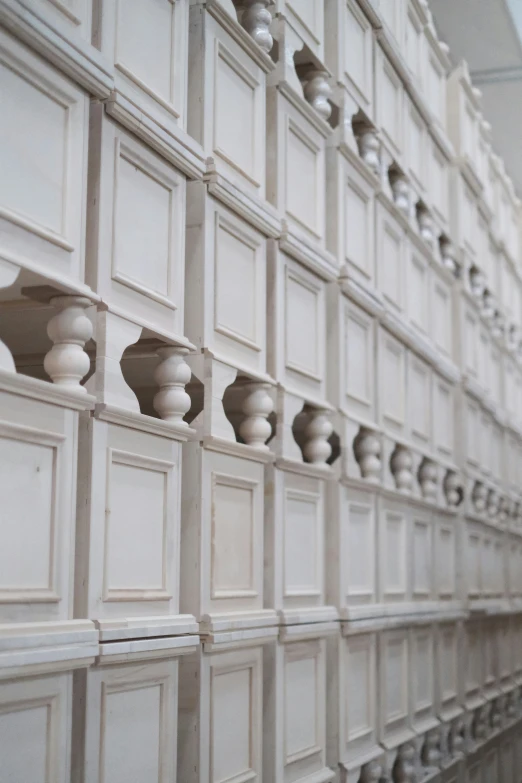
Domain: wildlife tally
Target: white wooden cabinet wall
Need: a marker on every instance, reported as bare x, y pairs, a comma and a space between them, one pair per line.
260, 399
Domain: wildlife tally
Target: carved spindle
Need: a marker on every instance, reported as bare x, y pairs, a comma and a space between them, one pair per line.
369, 147
67, 363
317, 92
447, 253
255, 428
256, 20
492, 503
371, 773
479, 497
510, 707
498, 326
367, 451
479, 727
404, 767
444, 747
431, 755
513, 337
456, 737
8, 275
317, 450
476, 282
401, 193
485, 720
495, 716
428, 477
425, 222
401, 464
452, 489
172, 375
504, 510
488, 304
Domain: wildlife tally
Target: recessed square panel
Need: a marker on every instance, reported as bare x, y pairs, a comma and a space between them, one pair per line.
391, 14
446, 561
495, 377
301, 708
504, 649
422, 562
396, 680
499, 572
439, 181
441, 317
232, 537
359, 688
484, 439
359, 362
507, 761
490, 655
436, 89
390, 102
470, 342
472, 432
423, 674
419, 400
235, 113
517, 644
392, 381
143, 227
390, 264
231, 752
357, 225
418, 292
132, 740
302, 544
28, 517
469, 137
443, 417
514, 576
145, 44
137, 515
448, 665
474, 773
473, 564
483, 356
394, 554
416, 142
236, 279
303, 344
360, 568
357, 48
307, 13
27, 743
486, 565
413, 42
490, 769
43, 155
302, 178
34, 134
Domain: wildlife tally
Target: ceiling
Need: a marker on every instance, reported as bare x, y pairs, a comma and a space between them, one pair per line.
488, 34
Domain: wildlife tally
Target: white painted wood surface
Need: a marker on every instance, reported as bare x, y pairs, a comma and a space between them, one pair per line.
260, 399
